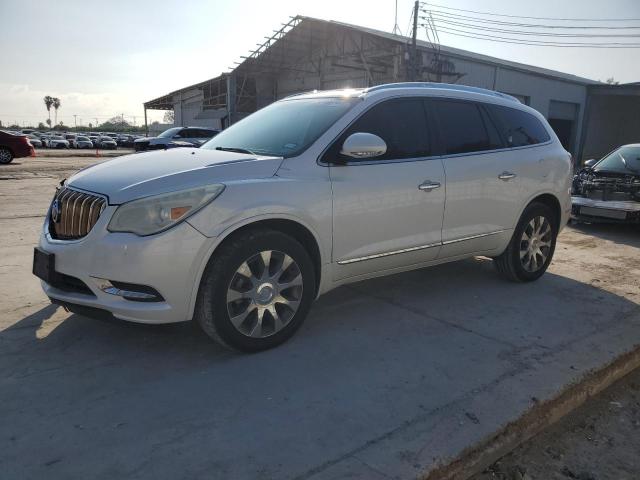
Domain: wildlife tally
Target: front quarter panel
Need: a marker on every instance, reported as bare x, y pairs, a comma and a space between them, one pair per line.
304, 200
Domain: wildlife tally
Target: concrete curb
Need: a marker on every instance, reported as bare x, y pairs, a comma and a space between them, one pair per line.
478, 457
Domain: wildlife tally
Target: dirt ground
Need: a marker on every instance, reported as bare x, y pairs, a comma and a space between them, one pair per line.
598, 441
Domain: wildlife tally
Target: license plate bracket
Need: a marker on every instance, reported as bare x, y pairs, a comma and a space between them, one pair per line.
44, 265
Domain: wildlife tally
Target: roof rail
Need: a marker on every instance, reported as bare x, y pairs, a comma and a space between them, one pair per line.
297, 94
443, 86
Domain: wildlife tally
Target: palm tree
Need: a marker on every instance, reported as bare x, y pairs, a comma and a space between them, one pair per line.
56, 105
48, 101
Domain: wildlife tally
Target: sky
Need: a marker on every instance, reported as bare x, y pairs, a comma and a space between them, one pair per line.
104, 59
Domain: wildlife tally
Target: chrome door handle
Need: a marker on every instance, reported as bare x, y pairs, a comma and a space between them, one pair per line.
428, 186
507, 176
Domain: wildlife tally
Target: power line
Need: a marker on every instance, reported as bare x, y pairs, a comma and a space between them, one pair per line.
534, 18
457, 17
524, 32
527, 33
477, 36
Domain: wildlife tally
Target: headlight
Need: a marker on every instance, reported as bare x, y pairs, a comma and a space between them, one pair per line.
157, 213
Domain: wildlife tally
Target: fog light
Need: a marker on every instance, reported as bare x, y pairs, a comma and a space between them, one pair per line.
129, 291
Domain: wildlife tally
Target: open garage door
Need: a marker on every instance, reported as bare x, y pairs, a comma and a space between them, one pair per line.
563, 118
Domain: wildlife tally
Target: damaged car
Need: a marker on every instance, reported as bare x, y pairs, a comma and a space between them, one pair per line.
608, 190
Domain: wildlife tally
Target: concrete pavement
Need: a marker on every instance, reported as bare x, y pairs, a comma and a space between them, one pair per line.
388, 378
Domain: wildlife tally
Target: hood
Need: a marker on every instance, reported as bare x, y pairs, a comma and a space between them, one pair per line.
140, 175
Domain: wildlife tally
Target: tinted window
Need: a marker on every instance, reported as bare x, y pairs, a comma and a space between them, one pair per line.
401, 123
518, 128
170, 133
463, 127
189, 133
201, 133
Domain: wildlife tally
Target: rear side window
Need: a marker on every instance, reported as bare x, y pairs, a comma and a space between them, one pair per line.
464, 128
199, 133
401, 123
518, 128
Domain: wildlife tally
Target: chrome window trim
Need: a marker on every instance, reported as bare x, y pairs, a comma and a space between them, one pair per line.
431, 157
420, 247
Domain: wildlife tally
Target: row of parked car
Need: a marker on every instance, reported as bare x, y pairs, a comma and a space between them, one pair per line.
102, 140
16, 144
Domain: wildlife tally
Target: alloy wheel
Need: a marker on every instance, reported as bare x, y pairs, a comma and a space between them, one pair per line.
264, 294
535, 244
5, 155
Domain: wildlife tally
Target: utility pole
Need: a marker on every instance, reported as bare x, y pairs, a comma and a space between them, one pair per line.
75, 123
396, 27
414, 41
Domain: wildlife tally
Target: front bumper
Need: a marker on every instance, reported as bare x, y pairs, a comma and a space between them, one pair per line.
605, 211
170, 262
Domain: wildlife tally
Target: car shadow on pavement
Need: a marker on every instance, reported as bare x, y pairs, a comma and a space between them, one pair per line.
114, 398
625, 234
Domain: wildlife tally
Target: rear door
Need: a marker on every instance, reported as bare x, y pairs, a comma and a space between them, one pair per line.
387, 211
483, 188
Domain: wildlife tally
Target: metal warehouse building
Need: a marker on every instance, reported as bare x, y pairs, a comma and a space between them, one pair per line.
589, 117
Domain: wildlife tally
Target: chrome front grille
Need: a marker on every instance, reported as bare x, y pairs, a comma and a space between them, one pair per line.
73, 214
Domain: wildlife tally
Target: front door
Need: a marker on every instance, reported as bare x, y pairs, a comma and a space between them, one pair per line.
387, 211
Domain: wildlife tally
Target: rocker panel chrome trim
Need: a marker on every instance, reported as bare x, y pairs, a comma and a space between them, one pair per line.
413, 249
387, 254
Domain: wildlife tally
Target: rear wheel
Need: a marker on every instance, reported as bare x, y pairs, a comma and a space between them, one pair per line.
5, 155
256, 291
532, 246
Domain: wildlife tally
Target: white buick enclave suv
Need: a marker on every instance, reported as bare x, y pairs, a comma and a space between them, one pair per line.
312, 192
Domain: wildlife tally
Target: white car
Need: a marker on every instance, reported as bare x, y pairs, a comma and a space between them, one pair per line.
58, 141
312, 192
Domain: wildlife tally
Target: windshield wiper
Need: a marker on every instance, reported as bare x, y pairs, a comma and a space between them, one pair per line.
235, 149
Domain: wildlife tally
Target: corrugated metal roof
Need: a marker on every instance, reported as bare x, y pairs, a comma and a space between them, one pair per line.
465, 54
164, 100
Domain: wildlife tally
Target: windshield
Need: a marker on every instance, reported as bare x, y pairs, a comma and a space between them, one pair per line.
170, 133
623, 160
283, 129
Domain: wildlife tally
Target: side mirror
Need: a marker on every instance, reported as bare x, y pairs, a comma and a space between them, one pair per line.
363, 145
590, 163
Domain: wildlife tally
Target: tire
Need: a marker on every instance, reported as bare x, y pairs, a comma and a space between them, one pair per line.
516, 263
6, 156
236, 268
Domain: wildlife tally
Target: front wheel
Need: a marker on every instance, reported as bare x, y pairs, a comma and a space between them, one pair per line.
531, 248
256, 291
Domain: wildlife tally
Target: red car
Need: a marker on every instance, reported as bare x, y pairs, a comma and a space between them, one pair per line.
14, 146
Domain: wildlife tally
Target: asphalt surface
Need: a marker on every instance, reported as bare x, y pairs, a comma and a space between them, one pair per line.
388, 378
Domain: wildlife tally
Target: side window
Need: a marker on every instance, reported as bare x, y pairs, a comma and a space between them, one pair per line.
518, 128
400, 122
188, 133
464, 127
200, 133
